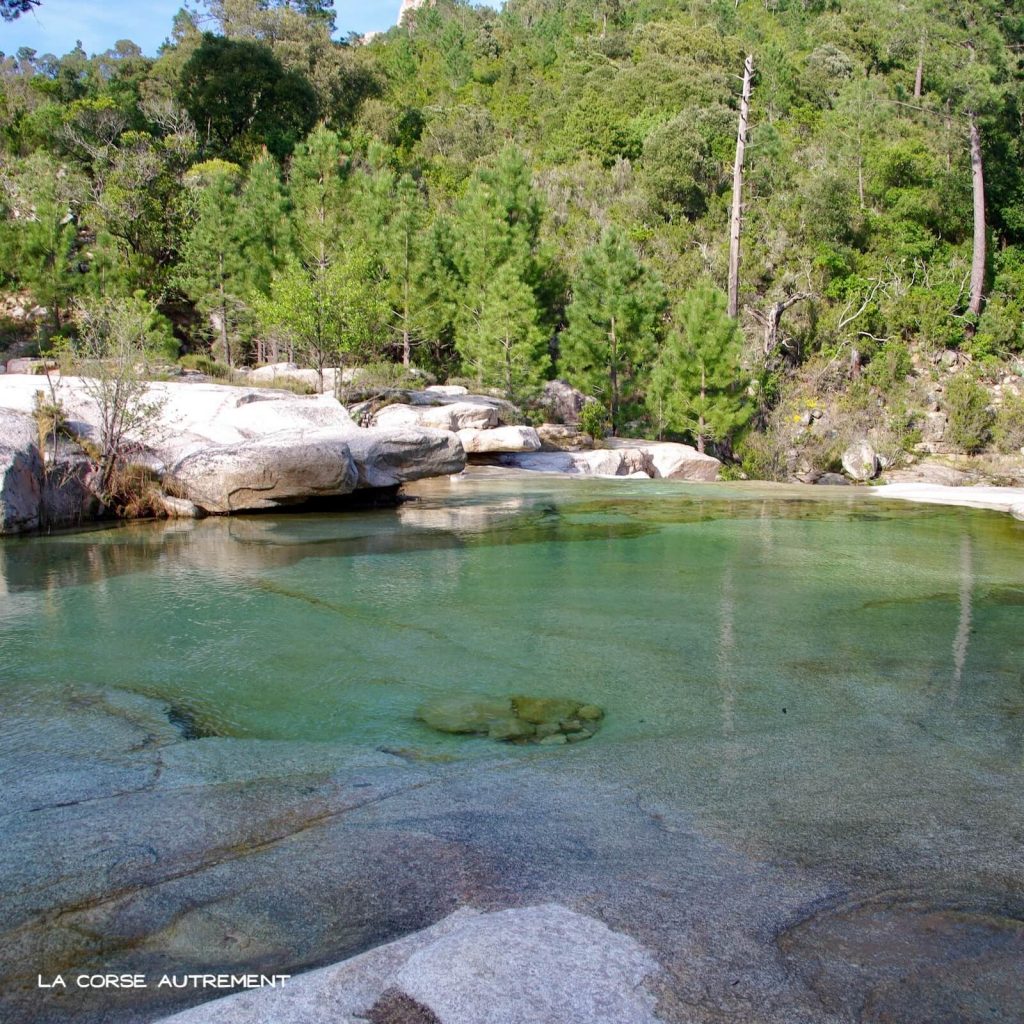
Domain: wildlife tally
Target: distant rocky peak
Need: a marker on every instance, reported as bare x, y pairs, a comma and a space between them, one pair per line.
407, 6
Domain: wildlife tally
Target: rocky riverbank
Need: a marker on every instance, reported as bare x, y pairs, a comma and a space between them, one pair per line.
212, 449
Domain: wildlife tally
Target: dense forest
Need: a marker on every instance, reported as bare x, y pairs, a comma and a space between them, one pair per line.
551, 190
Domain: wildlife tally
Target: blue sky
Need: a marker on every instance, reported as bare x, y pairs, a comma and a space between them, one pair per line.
56, 24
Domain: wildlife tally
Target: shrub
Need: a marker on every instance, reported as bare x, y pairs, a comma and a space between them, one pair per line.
970, 418
889, 367
205, 364
594, 420
1008, 428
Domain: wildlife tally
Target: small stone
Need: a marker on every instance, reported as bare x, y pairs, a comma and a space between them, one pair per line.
576, 737
590, 713
547, 729
555, 740
570, 725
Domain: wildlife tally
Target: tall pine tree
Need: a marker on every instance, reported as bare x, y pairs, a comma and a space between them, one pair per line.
697, 385
614, 325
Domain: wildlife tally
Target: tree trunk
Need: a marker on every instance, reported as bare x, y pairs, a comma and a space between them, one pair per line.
700, 418
225, 344
737, 190
979, 259
919, 76
614, 380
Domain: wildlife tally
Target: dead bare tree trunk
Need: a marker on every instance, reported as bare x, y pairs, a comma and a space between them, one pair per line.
980, 234
919, 76
737, 190
772, 319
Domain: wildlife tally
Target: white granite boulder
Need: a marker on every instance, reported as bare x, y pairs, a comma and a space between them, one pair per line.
860, 462
266, 472
386, 458
682, 462
449, 416
500, 439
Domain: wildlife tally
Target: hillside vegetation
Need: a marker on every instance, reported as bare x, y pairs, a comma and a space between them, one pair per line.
546, 191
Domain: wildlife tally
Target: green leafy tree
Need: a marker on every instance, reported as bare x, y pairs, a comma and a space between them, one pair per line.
326, 310
240, 98
614, 326
697, 384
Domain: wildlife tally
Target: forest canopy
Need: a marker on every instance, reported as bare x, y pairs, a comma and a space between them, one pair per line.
540, 191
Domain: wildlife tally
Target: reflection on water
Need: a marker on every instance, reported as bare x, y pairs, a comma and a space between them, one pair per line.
744, 616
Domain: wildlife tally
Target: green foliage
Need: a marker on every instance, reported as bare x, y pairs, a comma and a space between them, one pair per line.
594, 420
970, 418
1008, 427
484, 158
327, 311
118, 339
205, 364
614, 326
888, 369
698, 386
239, 95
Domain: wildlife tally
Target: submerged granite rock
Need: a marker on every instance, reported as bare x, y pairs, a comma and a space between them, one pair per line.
513, 719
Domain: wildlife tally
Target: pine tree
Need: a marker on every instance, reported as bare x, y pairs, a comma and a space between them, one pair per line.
496, 257
506, 347
614, 324
45, 201
213, 270
697, 384
405, 260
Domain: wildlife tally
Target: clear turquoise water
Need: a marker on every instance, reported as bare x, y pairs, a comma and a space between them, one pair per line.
711, 613
812, 764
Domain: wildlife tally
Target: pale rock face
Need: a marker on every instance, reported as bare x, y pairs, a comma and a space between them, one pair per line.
563, 401
500, 439
452, 416
1017, 511
20, 472
447, 390
860, 461
540, 965
681, 462
407, 6
386, 458
230, 448
267, 472
531, 965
